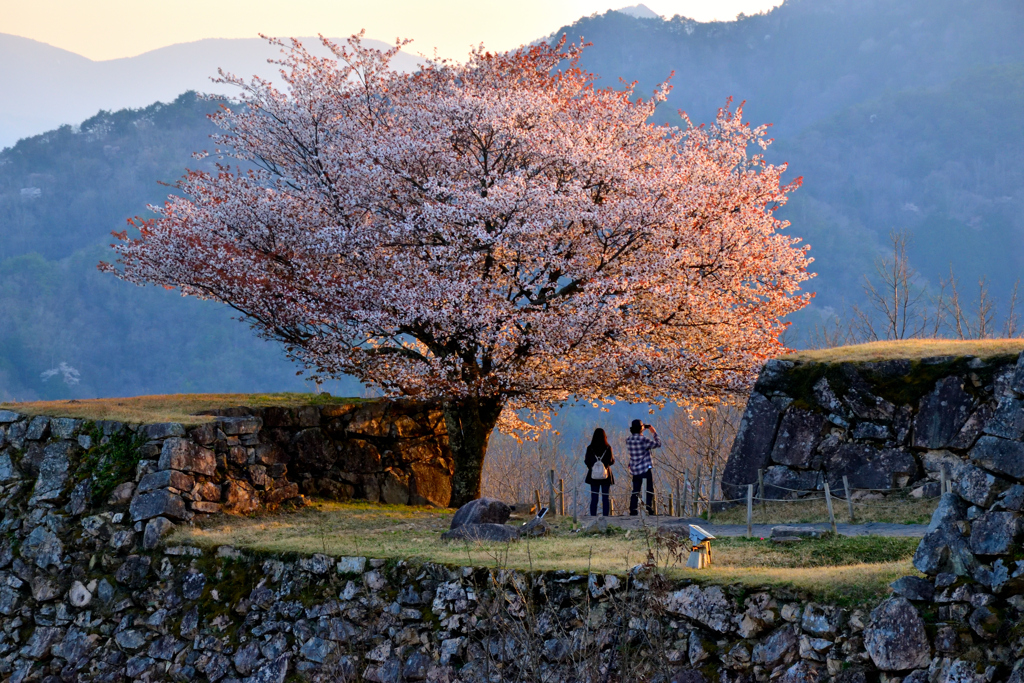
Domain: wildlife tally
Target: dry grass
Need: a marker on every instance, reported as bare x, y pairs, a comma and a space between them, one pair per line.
409, 533
892, 510
166, 408
912, 349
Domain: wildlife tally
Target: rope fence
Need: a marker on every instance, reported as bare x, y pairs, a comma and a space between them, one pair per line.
699, 498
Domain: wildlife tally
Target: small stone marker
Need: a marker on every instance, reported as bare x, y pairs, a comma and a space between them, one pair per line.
700, 548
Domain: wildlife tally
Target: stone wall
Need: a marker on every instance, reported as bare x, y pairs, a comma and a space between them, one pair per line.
96, 595
97, 598
242, 461
884, 425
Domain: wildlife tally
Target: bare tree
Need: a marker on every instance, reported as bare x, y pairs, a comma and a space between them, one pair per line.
1011, 322
832, 331
897, 303
704, 440
977, 319
514, 469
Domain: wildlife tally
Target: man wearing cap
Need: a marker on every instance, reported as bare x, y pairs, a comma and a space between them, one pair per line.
640, 463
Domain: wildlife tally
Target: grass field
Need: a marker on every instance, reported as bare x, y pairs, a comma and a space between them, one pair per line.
912, 349
894, 509
169, 407
832, 569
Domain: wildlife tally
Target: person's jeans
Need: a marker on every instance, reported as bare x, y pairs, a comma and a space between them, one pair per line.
600, 489
634, 499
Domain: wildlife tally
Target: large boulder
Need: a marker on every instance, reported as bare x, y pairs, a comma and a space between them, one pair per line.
860, 399
481, 511
1007, 421
942, 413
163, 479
186, 456
163, 430
707, 606
994, 533
867, 467
1000, 455
53, 471
356, 455
752, 446
394, 488
781, 647
798, 436
237, 426
971, 430
944, 547
8, 472
311, 450
429, 485
783, 482
240, 497
895, 638
160, 503
826, 398
977, 486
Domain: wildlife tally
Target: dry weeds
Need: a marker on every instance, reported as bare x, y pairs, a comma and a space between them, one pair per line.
894, 509
911, 349
410, 533
168, 407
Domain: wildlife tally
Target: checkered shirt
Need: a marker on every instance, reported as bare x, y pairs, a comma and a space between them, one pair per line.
640, 447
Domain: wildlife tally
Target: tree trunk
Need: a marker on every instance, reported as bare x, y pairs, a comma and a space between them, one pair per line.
470, 422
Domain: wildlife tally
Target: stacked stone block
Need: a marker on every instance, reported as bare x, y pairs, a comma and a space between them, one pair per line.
242, 461
883, 425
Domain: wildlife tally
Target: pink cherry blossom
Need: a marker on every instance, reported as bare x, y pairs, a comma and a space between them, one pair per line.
500, 234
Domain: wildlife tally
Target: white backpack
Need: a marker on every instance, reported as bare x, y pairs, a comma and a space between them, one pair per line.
598, 471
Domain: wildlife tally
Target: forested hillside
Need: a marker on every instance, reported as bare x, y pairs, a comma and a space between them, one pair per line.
61, 194
901, 114
898, 115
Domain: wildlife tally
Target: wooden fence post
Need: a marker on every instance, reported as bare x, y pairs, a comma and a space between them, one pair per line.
760, 493
849, 501
750, 510
828, 502
686, 493
576, 504
697, 483
552, 510
711, 489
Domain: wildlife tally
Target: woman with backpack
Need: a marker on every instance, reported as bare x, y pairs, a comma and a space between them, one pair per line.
599, 461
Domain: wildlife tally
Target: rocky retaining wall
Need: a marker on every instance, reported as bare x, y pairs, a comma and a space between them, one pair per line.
97, 595
96, 598
242, 461
883, 425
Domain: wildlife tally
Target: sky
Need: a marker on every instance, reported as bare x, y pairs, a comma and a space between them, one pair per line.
109, 29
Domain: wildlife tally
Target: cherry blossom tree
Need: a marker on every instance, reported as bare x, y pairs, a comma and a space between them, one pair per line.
501, 235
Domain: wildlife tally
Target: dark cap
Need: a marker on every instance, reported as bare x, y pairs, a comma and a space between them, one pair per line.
636, 426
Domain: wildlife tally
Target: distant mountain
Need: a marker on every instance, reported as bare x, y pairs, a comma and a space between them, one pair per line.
639, 12
897, 114
61, 194
43, 87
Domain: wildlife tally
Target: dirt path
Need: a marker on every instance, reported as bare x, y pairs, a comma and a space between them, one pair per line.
764, 530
